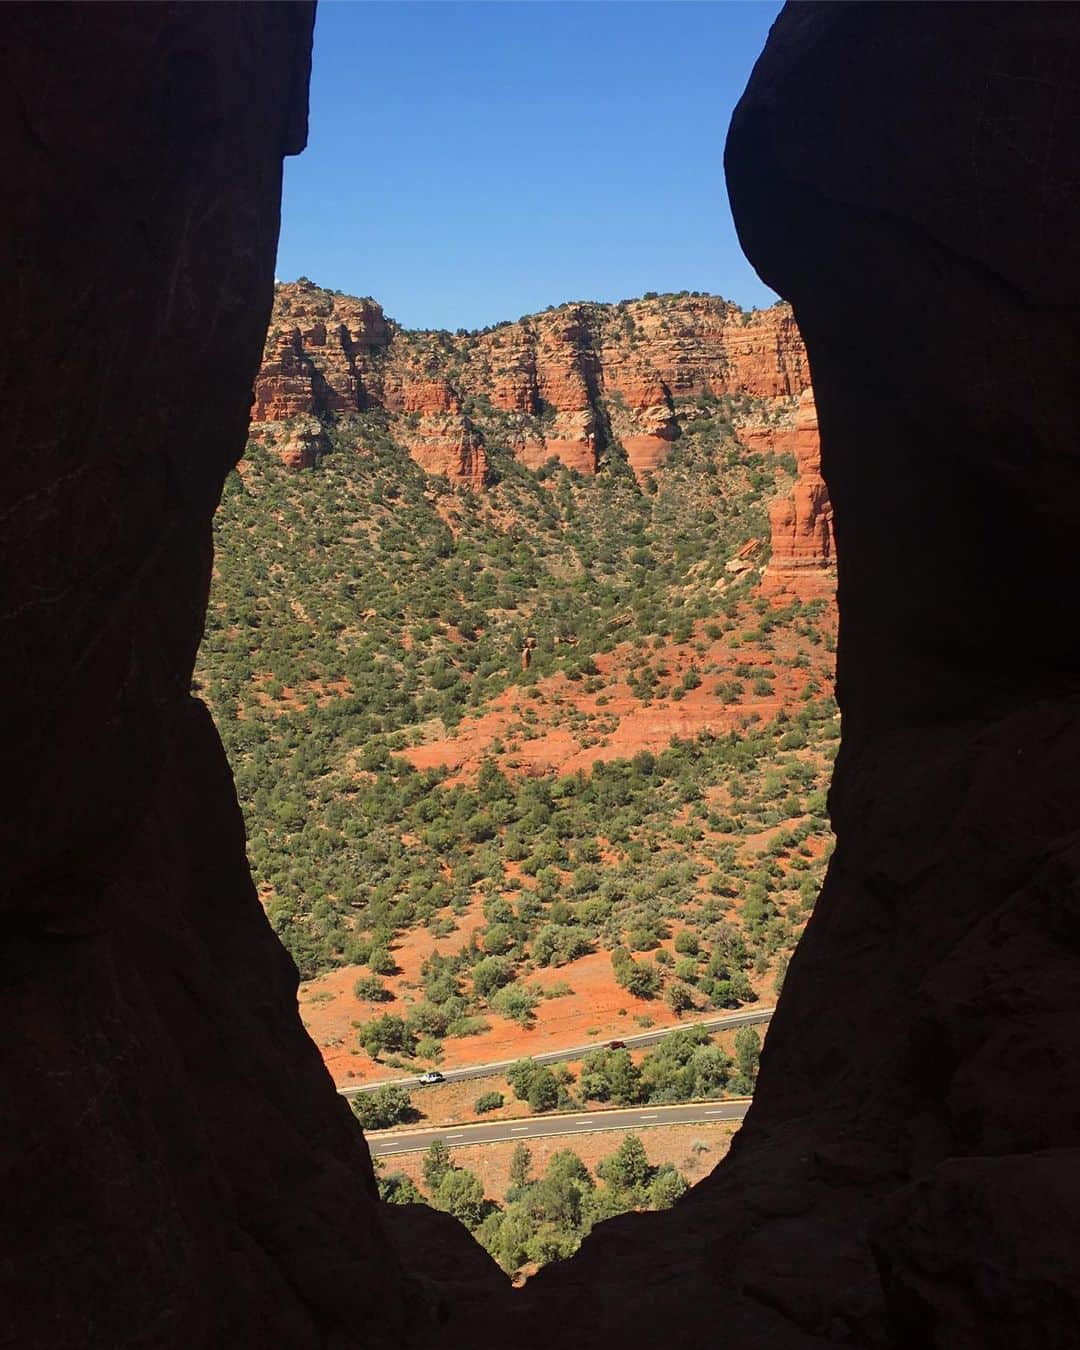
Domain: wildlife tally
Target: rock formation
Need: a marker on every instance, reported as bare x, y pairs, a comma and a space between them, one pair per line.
179, 1171
803, 559
572, 380
178, 1168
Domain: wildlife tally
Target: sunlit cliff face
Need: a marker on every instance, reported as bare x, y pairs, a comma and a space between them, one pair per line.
571, 380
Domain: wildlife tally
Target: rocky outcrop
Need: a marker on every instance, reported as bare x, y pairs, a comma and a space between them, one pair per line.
178, 1170
803, 558
573, 380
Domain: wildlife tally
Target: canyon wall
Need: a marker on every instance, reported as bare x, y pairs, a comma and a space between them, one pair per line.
570, 382
802, 555
571, 379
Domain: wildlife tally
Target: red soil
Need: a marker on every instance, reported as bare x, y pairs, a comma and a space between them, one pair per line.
611, 721
534, 724
330, 1010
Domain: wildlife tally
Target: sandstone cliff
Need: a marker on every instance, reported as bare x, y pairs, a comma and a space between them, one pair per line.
570, 383
571, 379
803, 554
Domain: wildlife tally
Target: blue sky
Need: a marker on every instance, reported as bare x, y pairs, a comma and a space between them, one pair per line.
471, 162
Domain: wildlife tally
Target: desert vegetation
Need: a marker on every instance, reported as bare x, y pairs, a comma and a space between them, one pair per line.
541, 1217
367, 619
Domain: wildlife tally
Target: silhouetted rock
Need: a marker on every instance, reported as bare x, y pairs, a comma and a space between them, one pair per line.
178, 1170
907, 1175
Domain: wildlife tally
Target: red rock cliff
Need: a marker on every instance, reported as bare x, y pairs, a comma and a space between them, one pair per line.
572, 378
803, 558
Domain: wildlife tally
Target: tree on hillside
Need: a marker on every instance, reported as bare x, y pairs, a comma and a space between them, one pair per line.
679, 999
437, 1162
519, 1075
711, 1068
461, 1194
386, 1033
747, 1056
668, 1186
397, 1189
565, 1165
386, 1106
594, 1084
520, 1162
557, 1199
543, 1090
628, 1166
381, 961
516, 1001
371, 988
491, 974
624, 1078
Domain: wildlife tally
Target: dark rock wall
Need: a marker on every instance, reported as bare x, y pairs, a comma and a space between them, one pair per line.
907, 175
177, 1168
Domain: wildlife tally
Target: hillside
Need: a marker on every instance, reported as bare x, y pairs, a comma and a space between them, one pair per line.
520, 646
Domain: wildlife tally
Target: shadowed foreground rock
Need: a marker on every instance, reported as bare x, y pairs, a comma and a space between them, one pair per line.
178, 1170
908, 1175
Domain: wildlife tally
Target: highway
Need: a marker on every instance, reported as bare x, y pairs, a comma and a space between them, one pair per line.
385, 1143
747, 1018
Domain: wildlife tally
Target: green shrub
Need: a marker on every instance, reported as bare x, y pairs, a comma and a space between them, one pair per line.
383, 1107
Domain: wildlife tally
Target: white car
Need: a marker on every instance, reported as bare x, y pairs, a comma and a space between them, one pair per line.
432, 1076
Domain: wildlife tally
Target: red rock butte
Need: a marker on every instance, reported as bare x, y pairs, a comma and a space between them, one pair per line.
803, 557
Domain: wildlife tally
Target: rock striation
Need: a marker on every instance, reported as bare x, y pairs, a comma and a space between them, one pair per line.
803, 555
572, 381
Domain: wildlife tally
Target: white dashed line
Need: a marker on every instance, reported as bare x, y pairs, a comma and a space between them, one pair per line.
519, 1129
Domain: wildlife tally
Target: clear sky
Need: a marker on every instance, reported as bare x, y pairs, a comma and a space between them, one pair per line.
471, 162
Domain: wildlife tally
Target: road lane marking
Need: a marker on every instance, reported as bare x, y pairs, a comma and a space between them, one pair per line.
583, 1120
455, 1136
519, 1129
756, 1015
646, 1117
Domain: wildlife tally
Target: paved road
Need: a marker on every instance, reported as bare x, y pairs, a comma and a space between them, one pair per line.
749, 1017
383, 1143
